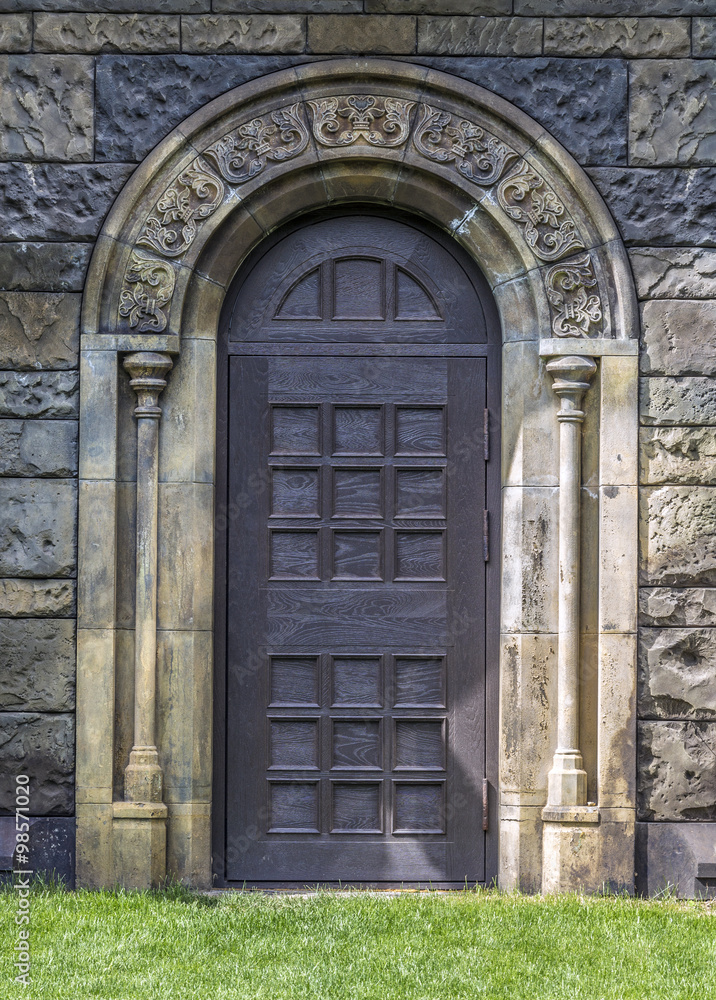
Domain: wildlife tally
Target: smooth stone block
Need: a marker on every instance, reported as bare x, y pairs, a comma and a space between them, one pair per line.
42, 747
38, 532
360, 33
660, 207
46, 107
676, 771
38, 448
243, 33
581, 102
661, 606
530, 560
60, 201
677, 455
669, 855
15, 32
39, 394
38, 665
668, 401
50, 267
674, 272
52, 846
172, 86
672, 111
616, 36
483, 36
678, 337
106, 33
39, 330
37, 598
677, 673
677, 539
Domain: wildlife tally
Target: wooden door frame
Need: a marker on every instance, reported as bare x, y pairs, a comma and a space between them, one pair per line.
155, 288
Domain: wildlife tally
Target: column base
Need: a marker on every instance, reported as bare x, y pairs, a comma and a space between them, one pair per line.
139, 844
587, 850
143, 776
567, 781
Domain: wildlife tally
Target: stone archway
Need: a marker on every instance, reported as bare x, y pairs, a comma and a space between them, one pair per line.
373, 132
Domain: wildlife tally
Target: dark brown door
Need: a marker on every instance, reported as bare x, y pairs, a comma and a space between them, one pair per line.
356, 595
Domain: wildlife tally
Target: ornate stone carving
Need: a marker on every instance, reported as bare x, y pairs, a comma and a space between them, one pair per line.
380, 121
478, 155
526, 197
577, 309
148, 287
243, 153
195, 194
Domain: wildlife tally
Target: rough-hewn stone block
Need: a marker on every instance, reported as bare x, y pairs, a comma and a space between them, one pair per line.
676, 771
39, 394
349, 33
106, 33
606, 8
111, 6
243, 33
674, 273
38, 598
703, 37
38, 665
677, 537
438, 6
678, 337
39, 330
288, 6
38, 448
42, 747
677, 455
677, 673
46, 108
615, 36
55, 201
38, 531
15, 32
43, 267
665, 606
489, 36
582, 102
141, 98
668, 401
672, 112
661, 207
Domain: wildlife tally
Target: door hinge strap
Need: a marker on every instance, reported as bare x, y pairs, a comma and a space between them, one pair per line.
486, 435
486, 535
485, 794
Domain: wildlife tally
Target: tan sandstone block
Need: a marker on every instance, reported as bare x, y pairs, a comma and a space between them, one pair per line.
39, 330
677, 455
186, 584
187, 430
95, 714
672, 104
106, 33
616, 721
618, 421
46, 107
530, 453
349, 33
676, 535
96, 585
670, 401
616, 36
618, 554
37, 598
243, 33
530, 566
662, 606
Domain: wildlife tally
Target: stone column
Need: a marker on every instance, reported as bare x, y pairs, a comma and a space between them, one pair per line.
140, 845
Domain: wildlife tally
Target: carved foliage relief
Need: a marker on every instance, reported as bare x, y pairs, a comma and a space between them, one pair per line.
362, 120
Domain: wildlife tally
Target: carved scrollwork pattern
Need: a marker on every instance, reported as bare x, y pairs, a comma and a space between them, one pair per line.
379, 121
243, 154
578, 310
526, 197
479, 156
148, 287
194, 195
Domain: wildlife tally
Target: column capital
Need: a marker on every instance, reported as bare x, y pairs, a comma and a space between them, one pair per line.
148, 371
571, 377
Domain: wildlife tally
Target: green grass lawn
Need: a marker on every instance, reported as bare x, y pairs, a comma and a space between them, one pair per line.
176, 946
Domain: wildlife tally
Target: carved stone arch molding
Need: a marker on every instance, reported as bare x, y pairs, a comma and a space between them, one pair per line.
321, 135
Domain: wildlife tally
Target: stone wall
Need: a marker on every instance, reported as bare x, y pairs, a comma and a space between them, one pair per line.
88, 87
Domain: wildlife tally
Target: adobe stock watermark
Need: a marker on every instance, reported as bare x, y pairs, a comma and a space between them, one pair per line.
21, 879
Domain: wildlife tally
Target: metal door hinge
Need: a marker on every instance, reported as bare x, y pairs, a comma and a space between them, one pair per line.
486, 535
485, 799
486, 435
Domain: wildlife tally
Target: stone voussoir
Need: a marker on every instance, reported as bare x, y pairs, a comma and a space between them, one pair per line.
209, 33
39, 394
489, 36
676, 771
39, 330
38, 598
38, 448
39, 665
677, 673
617, 36
106, 33
47, 110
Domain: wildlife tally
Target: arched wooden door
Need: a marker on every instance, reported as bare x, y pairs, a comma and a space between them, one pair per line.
357, 610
